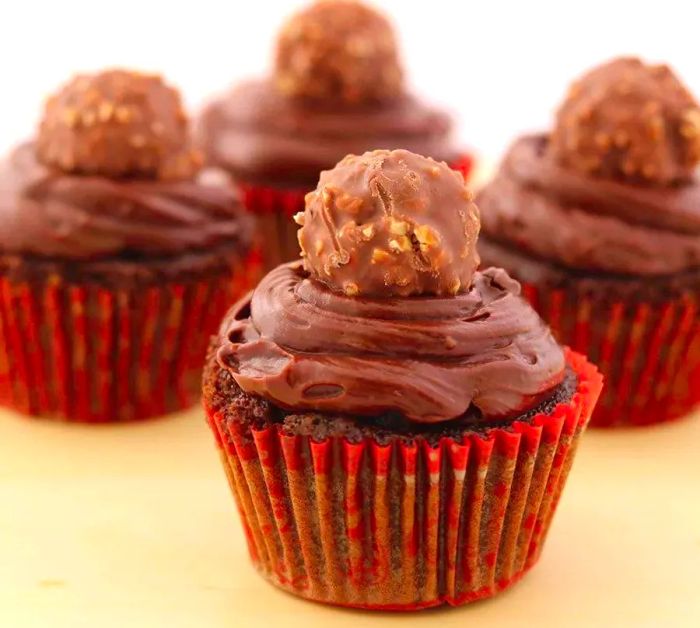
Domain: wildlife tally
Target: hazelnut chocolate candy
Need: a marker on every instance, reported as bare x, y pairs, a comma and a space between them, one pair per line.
390, 223
117, 124
630, 121
338, 51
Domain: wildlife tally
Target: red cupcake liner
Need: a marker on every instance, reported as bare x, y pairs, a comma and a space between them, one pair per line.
406, 525
263, 200
86, 353
649, 353
464, 164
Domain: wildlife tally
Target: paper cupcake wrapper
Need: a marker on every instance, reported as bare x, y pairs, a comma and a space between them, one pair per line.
649, 353
406, 525
275, 206
85, 353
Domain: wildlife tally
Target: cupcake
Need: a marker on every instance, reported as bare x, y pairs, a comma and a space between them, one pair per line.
396, 427
117, 255
337, 88
599, 221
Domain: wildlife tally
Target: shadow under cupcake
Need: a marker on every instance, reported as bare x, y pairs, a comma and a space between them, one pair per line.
395, 426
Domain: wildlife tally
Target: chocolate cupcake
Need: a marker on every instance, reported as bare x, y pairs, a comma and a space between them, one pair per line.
396, 427
599, 220
117, 257
337, 88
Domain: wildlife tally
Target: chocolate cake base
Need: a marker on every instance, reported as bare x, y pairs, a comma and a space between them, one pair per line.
223, 394
126, 270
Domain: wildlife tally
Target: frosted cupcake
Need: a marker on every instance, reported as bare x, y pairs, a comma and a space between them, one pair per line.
600, 221
396, 426
117, 258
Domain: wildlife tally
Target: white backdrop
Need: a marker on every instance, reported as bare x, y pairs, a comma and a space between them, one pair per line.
502, 66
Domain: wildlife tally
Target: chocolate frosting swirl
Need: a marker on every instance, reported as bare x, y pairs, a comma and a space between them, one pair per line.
304, 347
589, 223
49, 213
257, 133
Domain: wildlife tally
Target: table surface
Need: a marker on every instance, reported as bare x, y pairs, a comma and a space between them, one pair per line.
133, 525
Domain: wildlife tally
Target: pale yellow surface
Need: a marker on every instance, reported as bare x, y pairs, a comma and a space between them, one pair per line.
133, 526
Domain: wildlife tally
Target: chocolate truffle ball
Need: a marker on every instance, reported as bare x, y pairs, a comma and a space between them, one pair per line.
630, 121
390, 223
338, 51
117, 124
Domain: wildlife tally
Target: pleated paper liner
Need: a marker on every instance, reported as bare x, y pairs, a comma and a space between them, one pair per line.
81, 352
649, 353
406, 525
275, 206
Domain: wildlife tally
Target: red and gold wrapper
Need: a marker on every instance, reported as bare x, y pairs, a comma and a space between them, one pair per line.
403, 525
275, 206
86, 353
648, 352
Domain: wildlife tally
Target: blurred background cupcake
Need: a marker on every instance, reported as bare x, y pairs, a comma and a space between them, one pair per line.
396, 427
338, 87
117, 258
600, 220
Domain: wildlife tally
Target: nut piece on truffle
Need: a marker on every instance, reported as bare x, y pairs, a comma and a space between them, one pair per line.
390, 223
630, 121
338, 51
117, 124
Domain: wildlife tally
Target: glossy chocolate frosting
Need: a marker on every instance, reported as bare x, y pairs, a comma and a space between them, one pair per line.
590, 223
305, 347
257, 133
49, 213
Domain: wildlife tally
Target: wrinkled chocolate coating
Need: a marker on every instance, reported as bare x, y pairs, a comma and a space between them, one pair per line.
48, 213
390, 223
304, 347
258, 134
117, 124
589, 223
629, 121
338, 51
